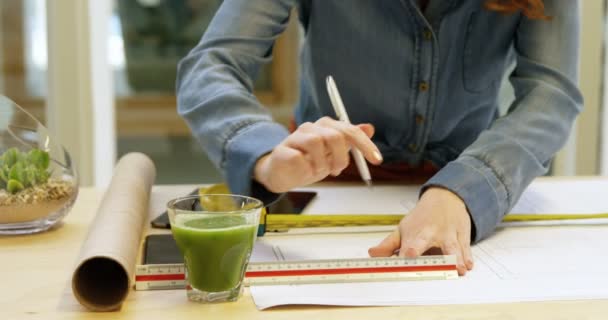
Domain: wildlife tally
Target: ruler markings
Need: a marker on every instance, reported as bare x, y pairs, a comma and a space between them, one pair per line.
310, 272
171, 276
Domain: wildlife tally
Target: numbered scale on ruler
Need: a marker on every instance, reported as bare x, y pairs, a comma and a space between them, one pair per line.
171, 276
160, 276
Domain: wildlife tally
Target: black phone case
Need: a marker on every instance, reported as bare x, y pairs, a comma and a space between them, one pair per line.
162, 221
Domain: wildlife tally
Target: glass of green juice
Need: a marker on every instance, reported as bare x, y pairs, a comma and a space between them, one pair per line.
215, 233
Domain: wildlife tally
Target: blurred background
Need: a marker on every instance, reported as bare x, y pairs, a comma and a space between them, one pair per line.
101, 76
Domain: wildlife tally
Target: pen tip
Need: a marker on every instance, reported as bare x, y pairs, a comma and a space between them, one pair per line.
369, 184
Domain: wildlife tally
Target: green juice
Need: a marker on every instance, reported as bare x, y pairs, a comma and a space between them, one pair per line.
216, 249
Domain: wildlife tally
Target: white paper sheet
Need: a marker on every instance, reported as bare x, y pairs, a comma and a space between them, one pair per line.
564, 197
515, 264
541, 197
358, 199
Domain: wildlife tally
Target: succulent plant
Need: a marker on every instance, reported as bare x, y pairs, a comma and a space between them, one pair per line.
21, 170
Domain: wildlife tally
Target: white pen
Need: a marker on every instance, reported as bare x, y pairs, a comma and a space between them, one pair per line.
336, 102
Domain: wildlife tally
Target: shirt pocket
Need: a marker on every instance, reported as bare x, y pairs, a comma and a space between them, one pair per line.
480, 68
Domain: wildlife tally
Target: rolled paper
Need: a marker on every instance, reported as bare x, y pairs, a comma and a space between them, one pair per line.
104, 271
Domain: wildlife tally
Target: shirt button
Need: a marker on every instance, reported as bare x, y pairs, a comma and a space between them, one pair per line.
419, 119
428, 34
423, 86
413, 147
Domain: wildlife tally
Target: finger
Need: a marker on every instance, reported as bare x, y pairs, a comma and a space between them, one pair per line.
386, 247
367, 128
357, 138
413, 247
336, 148
452, 247
313, 148
467, 256
464, 238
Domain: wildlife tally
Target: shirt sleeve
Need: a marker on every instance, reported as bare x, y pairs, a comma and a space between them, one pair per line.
491, 174
215, 85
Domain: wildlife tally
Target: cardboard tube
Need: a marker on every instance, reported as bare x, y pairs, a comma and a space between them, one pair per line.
104, 271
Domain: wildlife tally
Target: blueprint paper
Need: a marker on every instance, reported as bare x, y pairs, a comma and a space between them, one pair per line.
514, 265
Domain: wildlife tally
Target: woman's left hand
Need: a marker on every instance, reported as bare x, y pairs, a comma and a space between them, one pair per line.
440, 220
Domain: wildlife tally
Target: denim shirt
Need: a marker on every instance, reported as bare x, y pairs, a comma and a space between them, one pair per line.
428, 82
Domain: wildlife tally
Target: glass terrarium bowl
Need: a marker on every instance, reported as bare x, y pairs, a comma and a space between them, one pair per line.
38, 182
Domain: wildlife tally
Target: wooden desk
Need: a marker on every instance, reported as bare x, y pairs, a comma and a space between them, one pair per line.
35, 274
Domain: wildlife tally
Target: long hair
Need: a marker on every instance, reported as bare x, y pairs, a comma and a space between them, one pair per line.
533, 9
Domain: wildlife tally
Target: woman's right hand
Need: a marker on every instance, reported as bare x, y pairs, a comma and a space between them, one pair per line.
314, 151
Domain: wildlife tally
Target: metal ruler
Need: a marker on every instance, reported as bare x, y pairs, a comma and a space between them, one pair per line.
171, 276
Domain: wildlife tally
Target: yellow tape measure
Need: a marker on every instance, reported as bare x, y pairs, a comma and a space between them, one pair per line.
286, 221
277, 222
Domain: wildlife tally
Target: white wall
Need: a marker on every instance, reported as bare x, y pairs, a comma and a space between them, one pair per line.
80, 110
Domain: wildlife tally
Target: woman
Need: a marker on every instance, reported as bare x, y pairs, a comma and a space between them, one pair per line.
421, 77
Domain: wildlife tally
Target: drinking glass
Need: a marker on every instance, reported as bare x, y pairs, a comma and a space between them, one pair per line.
215, 233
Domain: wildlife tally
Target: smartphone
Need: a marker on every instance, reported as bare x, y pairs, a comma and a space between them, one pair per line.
291, 202
161, 249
